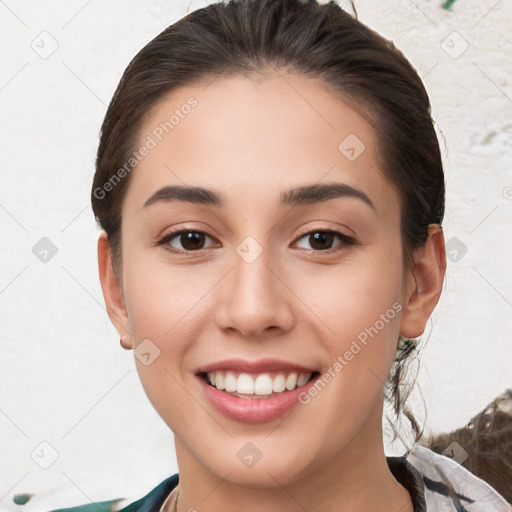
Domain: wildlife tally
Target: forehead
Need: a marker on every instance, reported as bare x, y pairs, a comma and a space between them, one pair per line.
256, 136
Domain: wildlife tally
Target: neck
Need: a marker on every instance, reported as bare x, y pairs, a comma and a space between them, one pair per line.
358, 478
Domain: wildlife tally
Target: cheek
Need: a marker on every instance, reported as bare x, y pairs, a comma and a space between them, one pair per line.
164, 305
164, 299
169, 305
357, 308
353, 295
357, 311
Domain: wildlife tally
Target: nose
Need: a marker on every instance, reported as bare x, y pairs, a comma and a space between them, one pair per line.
254, 299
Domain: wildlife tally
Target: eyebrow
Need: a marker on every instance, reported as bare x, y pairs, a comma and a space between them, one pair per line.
296, 196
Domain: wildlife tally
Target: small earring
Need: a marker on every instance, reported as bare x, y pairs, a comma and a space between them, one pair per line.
123, 344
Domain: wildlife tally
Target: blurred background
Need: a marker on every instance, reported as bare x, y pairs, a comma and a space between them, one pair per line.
75, 424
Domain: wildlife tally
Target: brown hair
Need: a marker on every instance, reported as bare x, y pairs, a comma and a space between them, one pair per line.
304, 37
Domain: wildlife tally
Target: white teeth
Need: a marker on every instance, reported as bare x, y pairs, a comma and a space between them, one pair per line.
262, 384
291, 381
279, 383
301, 380
245, 384
218, 379
230, 382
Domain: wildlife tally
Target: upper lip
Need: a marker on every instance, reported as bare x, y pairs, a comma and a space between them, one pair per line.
260, 366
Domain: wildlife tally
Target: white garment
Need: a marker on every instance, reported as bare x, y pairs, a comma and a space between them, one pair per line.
471, 494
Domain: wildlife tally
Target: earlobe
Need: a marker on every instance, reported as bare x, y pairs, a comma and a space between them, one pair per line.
112, 288
425, 283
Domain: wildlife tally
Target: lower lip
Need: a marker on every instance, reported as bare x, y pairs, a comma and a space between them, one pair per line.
250, 410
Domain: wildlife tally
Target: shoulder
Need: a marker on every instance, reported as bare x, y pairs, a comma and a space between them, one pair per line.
154, 499
448, 483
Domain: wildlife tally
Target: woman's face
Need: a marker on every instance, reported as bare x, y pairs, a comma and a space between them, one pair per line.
258, 280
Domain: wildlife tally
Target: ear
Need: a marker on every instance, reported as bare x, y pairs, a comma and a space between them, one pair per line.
112, 289
424, 283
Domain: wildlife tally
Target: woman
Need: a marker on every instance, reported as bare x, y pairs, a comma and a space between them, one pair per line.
271, 192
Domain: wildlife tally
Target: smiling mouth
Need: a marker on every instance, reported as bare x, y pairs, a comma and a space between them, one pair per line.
257, 385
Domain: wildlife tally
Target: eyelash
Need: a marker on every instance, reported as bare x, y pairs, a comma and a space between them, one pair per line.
345, 240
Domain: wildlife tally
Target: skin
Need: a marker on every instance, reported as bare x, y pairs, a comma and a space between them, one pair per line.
251, 139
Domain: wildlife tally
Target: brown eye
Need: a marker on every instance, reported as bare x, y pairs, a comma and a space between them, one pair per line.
189, 241
322, 240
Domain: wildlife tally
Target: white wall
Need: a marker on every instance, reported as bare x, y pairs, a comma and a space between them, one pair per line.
64, 379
